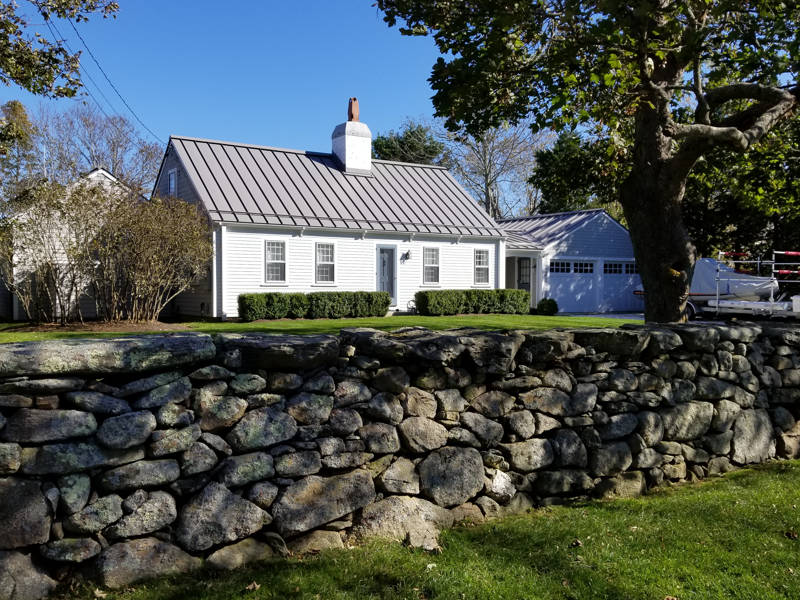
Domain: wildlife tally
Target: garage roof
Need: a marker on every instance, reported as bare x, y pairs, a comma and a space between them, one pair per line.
543, 230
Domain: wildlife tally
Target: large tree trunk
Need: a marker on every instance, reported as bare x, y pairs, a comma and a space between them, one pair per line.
651, 197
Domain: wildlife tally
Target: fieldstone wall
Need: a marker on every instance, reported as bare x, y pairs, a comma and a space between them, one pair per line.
130, 458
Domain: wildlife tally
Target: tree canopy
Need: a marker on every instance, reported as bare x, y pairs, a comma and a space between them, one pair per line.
414, 143
17, 139
575, 174
617, 65
32, 61
748, 203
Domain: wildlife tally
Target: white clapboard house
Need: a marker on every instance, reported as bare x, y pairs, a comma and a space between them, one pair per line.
582, 259
295, 221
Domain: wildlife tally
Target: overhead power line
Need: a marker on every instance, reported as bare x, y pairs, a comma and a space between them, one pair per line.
52, 26
113, 87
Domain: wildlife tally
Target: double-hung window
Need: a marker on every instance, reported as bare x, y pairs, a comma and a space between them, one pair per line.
325, 268
430, 266
275, 262
481, 267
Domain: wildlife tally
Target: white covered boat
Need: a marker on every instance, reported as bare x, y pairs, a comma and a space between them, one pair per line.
732, 284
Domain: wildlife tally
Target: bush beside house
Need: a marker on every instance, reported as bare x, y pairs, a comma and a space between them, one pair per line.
316, 305
454, 302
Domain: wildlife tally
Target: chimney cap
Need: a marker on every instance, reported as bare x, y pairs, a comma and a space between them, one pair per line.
352, 109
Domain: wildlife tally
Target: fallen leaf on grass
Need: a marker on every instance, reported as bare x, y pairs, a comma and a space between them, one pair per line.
670, 598
252, 587
576, 543
791, 534
100, 593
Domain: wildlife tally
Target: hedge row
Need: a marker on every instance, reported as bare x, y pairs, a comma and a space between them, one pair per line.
454, 302
316, 305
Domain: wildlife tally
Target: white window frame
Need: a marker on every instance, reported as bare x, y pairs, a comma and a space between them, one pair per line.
612, 268
631, 268
172, 178
268, 281
317, 281
583, 267
483, 267
560, 266
438, 266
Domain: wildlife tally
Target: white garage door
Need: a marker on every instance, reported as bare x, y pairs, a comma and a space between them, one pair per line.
573, 284
620, 280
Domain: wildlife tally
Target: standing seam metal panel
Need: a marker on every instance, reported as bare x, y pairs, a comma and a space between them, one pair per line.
241, 184
315, 198
398, 187
199, 165
279, 193
226, 178
396, 190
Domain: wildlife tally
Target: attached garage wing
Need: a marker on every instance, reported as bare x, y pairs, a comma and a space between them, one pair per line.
573, 285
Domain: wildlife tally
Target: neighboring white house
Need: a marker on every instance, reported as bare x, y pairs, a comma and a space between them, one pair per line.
10, 306
294, 221
583, 260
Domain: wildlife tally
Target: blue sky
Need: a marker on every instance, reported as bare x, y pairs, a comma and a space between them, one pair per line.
266, 72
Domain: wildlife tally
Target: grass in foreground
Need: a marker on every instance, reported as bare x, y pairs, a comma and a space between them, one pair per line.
22, 332
729, 538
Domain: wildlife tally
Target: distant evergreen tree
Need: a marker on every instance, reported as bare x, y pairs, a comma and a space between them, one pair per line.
414, 143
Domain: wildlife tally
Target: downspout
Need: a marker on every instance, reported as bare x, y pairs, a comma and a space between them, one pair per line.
222, 234
214, 273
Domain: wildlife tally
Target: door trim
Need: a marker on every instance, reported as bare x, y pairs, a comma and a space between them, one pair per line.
393, 247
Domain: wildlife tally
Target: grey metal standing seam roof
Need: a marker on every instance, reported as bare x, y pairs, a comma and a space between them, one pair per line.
543, 230
242, 183
518, 241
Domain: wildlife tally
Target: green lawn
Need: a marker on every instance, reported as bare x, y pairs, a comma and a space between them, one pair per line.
17, 332
728, 538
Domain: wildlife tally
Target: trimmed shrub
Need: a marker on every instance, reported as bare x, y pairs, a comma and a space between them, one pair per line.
327, 305
513, 302
481, 301
370, 304
547, 306
454, 302
298, 305
441, 302
317, 305
252, 307
276, 305
379, 303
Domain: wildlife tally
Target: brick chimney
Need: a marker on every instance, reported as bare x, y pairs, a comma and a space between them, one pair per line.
352, 143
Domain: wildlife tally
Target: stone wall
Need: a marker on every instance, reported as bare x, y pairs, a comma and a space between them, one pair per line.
130, 458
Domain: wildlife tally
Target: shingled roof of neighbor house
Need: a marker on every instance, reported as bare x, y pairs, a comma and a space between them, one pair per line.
243, 183
543, 230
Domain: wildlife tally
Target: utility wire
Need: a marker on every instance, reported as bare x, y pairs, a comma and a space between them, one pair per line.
51, 26
113, 87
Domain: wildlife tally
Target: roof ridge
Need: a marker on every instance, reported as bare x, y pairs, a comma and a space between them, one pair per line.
247, 145
294, 151
555, 214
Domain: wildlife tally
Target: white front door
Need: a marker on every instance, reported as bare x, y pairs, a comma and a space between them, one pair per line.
386, 271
